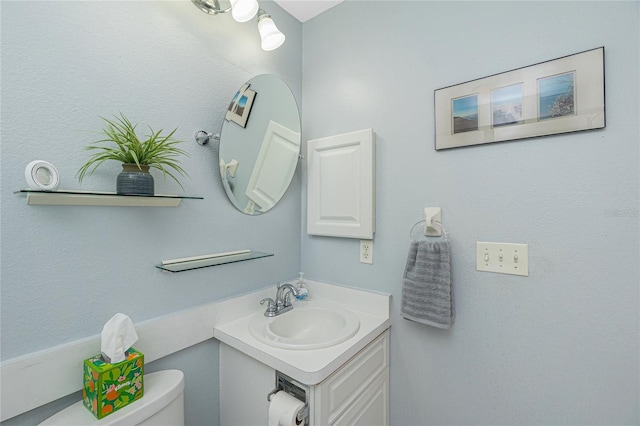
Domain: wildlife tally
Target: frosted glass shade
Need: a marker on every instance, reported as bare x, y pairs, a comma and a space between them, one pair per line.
244, 10
270, 35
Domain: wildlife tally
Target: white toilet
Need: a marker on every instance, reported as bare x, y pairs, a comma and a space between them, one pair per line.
161, 405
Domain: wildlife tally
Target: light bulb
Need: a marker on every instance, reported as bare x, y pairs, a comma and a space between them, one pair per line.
270, 35
244, 10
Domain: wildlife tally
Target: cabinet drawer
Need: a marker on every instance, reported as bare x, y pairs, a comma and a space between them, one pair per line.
343, 387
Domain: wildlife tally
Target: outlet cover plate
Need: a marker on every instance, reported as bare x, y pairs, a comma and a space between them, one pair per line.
366, 251
502, 258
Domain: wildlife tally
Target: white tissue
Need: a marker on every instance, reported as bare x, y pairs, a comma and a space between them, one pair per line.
117, 336
283, 409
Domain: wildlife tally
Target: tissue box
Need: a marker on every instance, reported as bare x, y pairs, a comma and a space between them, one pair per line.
109, 387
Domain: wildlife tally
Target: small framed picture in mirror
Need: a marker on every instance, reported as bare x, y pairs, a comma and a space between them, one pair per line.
240, 106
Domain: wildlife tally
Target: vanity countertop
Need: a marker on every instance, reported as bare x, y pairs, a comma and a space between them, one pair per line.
310, 366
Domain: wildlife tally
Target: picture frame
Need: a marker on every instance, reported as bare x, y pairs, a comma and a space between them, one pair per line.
240, 106
558, 96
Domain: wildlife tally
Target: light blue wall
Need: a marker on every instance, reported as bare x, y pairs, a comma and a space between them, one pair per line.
559, 346
67, 270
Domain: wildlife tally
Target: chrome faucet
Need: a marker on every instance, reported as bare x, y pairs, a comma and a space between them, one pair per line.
282, 303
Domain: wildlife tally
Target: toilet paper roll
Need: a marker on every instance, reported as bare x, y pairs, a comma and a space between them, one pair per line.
283, 409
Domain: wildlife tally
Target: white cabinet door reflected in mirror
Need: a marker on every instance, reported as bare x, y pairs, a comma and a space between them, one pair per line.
259, 144
341, 185
274, 167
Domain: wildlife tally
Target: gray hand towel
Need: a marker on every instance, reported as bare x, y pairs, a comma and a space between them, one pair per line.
427, 293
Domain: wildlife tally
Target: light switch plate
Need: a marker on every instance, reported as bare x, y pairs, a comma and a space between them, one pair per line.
502, 258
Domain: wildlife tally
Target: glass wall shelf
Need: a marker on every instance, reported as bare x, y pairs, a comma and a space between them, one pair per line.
97, 198
214, 261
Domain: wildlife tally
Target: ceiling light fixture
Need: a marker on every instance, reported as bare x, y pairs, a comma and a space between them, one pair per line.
243, 11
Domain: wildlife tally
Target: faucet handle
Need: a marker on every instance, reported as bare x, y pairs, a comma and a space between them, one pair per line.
271, 307
269, 300
287, 299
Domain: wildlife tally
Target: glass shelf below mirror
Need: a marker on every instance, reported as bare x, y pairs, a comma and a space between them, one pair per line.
99, 198
212, 261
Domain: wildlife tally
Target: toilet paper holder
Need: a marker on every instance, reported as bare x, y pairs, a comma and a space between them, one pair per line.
295, 389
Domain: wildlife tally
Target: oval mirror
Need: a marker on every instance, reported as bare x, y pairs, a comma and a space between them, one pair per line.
259, 144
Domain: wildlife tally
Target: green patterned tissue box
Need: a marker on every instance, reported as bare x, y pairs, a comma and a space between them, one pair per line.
109, 387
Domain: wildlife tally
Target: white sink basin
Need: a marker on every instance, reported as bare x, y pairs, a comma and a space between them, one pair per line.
309, 325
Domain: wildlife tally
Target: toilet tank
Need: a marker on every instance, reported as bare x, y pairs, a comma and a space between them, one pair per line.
162, 404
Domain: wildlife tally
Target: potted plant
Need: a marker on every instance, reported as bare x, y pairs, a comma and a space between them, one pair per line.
136, 155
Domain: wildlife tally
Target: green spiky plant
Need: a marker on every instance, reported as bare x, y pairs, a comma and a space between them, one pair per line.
157, 150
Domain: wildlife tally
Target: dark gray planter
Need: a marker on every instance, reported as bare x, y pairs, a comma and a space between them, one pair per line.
134, 181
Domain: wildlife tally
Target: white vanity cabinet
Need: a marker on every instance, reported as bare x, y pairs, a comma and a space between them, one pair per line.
357, 393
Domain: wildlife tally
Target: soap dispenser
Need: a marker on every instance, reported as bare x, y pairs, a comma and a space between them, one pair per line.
303, 293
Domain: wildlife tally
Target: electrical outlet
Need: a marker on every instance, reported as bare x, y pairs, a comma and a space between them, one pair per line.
366, 251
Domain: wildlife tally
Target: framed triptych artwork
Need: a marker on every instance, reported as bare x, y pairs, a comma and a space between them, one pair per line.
558, 96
